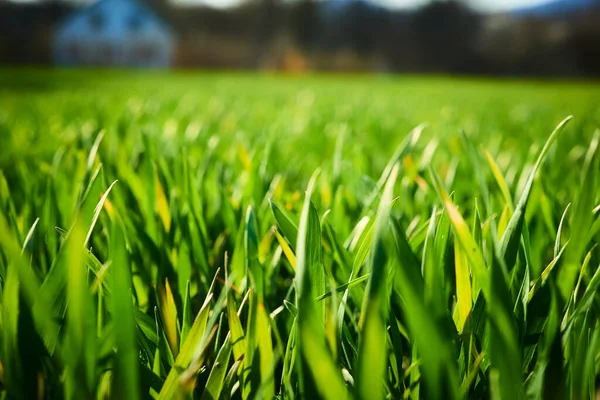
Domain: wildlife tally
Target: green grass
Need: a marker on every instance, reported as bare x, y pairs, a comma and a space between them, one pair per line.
220, 236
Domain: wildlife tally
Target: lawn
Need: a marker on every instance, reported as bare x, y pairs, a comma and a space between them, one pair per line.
240, 236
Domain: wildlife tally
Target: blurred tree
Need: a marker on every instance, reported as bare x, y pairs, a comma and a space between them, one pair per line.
583, 42
356, 25
265, 30
364, 25
305, 23
446, 33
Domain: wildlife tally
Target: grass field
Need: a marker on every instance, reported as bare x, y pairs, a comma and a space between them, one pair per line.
221, 236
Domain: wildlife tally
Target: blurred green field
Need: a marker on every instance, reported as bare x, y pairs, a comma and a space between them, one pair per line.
241, 236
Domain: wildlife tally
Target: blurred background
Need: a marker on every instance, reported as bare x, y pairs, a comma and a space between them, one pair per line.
553, 38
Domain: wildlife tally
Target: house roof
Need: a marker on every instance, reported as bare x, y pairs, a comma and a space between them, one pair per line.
115, 15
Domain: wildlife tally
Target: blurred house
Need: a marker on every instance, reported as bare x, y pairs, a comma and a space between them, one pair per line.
114, 33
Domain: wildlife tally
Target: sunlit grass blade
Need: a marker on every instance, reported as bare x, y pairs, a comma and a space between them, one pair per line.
345, 286
500, 180
216, 379
172, 384
161, 205
463, 287
169, 317
432, 269
253, 267
557, 241
265, 348
81, 325
30, 234
372, 353
187, 314
285, 224
310, 276
581, 218
127, 375
289, 254
97, 212
11, 357
535, 285
238, 340
316, 357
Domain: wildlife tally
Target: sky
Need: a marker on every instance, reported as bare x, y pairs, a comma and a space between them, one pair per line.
482, 5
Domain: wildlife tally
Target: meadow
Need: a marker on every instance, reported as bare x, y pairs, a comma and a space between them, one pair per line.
241, 236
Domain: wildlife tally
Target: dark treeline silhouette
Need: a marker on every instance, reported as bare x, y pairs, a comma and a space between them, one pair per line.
353, 35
